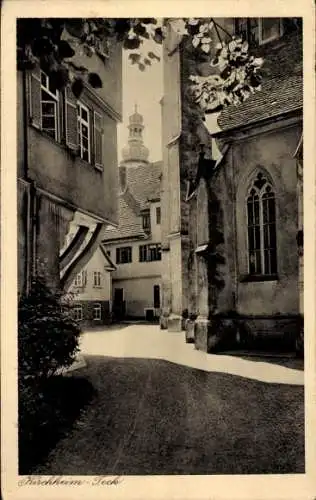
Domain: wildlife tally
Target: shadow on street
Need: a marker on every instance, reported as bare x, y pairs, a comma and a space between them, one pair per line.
152, 416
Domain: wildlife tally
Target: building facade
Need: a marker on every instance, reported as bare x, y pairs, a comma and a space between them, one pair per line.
135, 246
92, 290
67, 168
238, 220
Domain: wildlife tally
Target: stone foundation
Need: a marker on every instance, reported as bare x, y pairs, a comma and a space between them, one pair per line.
189, 331
163, 322
275, 334
174, 323
87, 313
201, 333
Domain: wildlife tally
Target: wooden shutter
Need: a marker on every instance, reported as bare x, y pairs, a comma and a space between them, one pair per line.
98, 132
71, 120
35, 97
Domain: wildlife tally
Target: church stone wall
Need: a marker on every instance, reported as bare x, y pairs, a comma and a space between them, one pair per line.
271, 152
266, 309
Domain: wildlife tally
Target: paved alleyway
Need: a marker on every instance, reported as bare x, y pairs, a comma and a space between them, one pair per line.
162, 407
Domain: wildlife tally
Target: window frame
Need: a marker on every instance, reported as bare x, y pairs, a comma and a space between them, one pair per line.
146, 216
78, 307
260, 192
262, 41
146, 252
158, 218
78, 282
97, 307
56, 102
80, 122
120, 251
97, 279
251, 36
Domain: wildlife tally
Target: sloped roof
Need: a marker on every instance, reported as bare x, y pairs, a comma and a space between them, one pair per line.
282, 87
143, 186
143, 182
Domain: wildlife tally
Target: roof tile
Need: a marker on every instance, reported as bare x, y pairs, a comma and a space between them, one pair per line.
143, 186
282, 87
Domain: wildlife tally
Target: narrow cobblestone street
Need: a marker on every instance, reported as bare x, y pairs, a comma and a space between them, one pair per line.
161, 407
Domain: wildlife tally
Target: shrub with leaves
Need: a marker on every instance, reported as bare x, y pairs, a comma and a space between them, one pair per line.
48, 337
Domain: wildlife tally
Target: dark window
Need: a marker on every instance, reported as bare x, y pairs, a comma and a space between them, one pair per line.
143, 253
146, 221
150, 253
247, 29
123, 255
269, 29
259, 30
261, 215
158, 215
156, 296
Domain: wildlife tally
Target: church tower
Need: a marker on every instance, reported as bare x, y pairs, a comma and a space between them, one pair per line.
135, 152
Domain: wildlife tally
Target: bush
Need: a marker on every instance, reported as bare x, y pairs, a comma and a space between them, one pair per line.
48, 337
47, 416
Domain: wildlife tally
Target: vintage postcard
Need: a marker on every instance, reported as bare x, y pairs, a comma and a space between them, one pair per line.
158, 249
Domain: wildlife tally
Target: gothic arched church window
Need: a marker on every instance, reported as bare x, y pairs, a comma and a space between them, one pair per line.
261, 222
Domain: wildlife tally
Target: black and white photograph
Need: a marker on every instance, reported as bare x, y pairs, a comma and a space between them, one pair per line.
159, 246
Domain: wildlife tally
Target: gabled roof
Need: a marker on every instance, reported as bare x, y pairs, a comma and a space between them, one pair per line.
143, 187
282, 87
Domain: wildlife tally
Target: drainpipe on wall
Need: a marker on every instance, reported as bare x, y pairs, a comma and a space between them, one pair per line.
29, 258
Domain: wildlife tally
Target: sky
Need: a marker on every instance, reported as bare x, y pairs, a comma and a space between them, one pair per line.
144, 88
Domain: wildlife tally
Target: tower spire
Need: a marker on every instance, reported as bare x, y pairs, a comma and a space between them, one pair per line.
135, 150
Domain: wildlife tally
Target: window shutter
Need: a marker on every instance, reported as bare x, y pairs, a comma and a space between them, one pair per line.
98, 139
35, 97
71, 120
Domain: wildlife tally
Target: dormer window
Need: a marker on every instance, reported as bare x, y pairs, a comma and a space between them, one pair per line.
146, 221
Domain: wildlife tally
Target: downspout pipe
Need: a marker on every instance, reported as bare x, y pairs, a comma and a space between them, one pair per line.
30, 213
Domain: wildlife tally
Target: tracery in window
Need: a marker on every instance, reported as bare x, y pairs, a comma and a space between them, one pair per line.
261, 223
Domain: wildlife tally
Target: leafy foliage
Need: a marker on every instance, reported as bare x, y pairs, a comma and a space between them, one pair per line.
48, 337
55, 42
46, 414
237, 78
